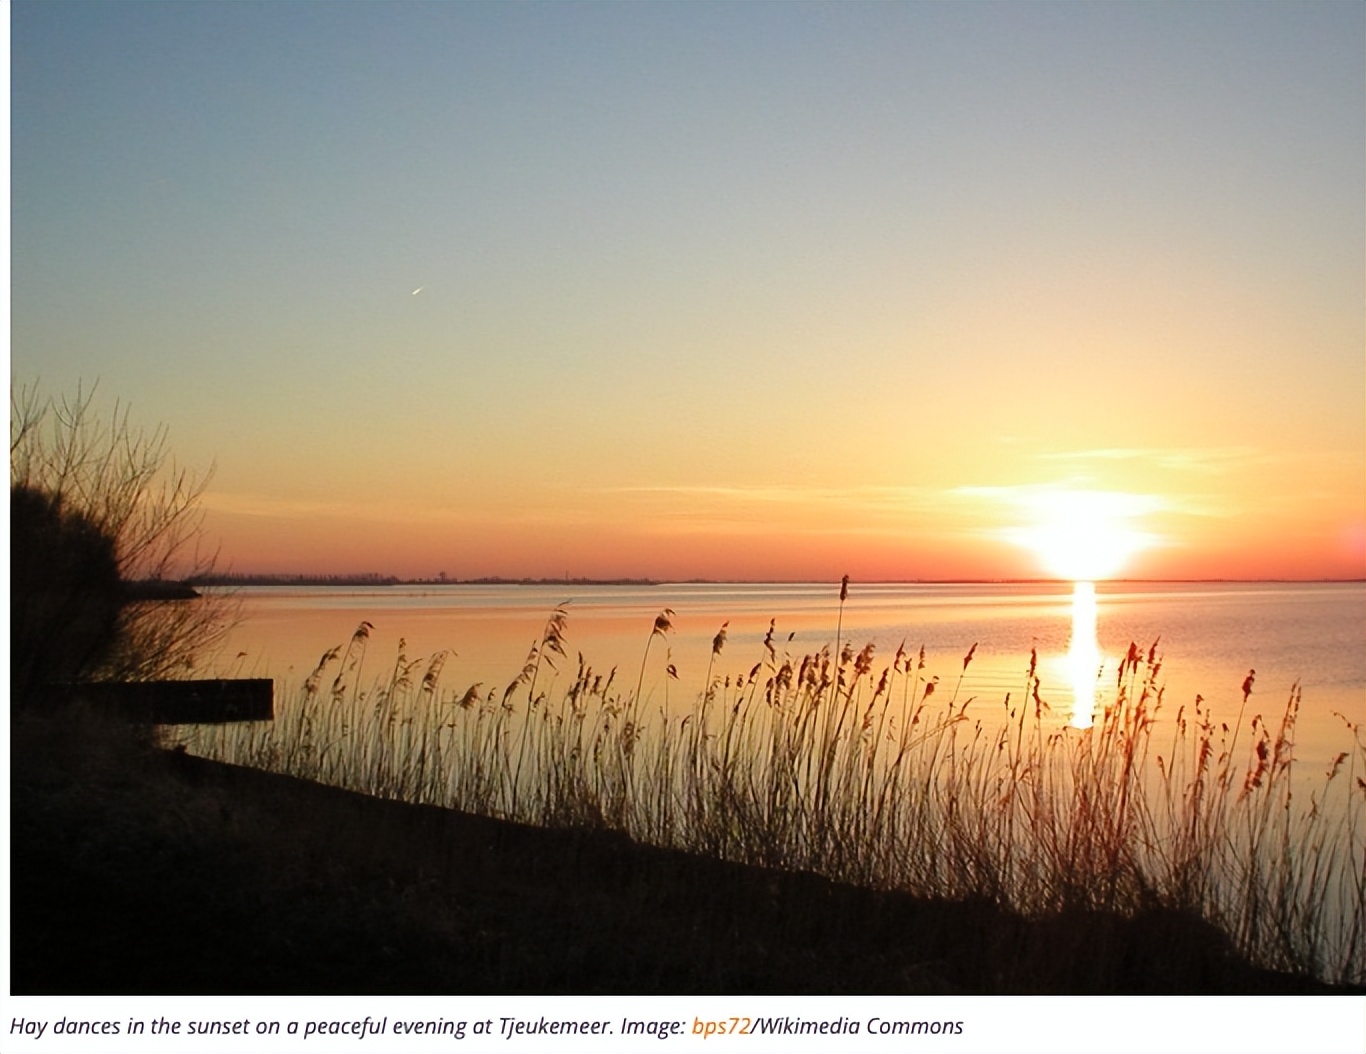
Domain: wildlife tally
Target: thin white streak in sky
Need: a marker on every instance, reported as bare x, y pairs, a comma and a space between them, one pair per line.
1194, 459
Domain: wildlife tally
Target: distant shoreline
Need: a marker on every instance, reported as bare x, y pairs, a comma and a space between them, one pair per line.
353, 580
391, 580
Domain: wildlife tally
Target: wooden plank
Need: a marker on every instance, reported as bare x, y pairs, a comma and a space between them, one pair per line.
206, 702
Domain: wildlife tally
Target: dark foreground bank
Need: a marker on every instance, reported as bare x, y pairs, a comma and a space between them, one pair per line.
136, 871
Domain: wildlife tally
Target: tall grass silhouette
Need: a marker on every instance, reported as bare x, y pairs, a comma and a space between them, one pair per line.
824, 762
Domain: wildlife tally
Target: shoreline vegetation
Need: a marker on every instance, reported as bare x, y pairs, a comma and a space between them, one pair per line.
872, 776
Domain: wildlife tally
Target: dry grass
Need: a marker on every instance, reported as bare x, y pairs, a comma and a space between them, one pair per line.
823, 762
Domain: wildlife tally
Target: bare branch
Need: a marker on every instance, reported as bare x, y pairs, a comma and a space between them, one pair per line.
123, 480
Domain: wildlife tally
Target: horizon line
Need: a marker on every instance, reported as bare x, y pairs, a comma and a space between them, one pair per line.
379, 578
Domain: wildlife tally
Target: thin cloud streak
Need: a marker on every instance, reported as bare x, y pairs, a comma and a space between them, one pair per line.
871, 496
266, 507
1208, 460
1202, 460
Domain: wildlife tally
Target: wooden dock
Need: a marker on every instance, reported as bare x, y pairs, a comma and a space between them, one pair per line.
206, 702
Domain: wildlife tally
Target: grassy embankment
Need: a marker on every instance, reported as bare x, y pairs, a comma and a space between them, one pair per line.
879, 780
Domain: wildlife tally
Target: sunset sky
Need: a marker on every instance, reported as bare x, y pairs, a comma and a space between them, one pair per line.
747, 291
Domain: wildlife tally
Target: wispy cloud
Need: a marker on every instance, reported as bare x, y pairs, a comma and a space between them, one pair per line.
268, 507
1030, 495
860, 497
1029, 498
1206, 460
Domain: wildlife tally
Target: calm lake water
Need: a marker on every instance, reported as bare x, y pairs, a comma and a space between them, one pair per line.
1209, 637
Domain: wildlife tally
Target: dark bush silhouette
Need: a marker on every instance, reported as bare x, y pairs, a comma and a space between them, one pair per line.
65, 593
97, 488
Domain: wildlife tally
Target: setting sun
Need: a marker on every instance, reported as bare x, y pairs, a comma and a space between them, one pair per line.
1085, 535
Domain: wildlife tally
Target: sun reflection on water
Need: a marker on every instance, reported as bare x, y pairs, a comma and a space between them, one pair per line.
1084, 657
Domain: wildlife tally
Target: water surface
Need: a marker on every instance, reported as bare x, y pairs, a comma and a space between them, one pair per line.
1209, 636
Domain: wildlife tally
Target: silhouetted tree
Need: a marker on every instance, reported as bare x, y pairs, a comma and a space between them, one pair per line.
92, 489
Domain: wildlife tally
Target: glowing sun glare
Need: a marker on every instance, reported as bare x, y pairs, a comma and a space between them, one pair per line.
1084, 535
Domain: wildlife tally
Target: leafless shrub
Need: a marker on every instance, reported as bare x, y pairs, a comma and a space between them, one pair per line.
124, 483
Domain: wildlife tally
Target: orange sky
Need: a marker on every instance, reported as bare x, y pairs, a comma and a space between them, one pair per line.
736, 291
